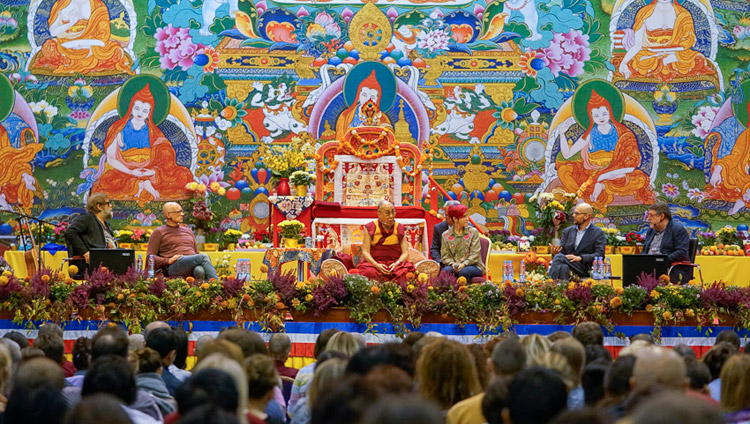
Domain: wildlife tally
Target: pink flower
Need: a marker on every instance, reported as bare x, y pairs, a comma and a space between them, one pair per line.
567, 53
696, 194
703, 120
433, 40
176, 47
670, 190
326, 21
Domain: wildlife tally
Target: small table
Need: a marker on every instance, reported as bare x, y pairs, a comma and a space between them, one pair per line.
314, 257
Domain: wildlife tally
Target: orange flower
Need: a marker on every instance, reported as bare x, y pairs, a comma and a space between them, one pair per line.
246, 297
205, 286
3, 280
410, 276
120, 296
618, 290
190, 280
462, 288
73, 269
198, 293
45, 278
557, 302
520, 293
280, 305
375, 290
664, 279
530, 256
615, 302
461, 281
649, 308
690, 313
666, 315
264, 268
224, 304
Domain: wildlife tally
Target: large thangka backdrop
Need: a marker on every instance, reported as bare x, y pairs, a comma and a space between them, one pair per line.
624, 101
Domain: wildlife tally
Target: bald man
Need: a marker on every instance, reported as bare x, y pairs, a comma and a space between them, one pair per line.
174, 248
580, 244
385, 248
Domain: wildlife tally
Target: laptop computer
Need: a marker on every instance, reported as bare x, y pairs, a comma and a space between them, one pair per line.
634, 265
116, 260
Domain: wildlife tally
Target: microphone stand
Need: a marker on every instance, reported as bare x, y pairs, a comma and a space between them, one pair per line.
31, 234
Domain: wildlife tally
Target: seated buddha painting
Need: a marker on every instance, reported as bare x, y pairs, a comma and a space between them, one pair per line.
141, 144
602, 146
90, 37
663, 40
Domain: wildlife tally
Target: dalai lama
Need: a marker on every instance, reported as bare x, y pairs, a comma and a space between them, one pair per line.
385, 249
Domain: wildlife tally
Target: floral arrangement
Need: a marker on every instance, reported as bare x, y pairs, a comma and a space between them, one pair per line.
59, 231
291, 229
727, 235
42, 232
137, 235
203, 217
632, 238
613, 237
223, 266
283, 161
302, 178
499, 236
262, 236
546, 207
231, 236
707, 238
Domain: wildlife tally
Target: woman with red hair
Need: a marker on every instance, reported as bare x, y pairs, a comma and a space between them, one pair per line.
460, 248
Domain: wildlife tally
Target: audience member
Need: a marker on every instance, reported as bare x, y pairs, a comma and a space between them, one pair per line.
589, 333
148, 378
557, 335
81, 360
635, 346
672, 407
217, 361
344, 342
735, 389
715, 359
446, 373
412, 338
656, 370
536, 345
211, 387
164, 342
730, 337
396, 354
279, 347
222, 346
595, 352
262, 378
52, 346
249, 341
575, 354
202, 340
582, 416
177, 368
617, 385
17, 337
326, 374
136, 342
648, 338
699, 376
96, 409
209, 413
35, 397
402, 410
592, 382
685, 351
305, 374
493, 403
535, 396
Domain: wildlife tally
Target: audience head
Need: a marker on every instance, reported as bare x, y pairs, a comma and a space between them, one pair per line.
698, 374
209, 413
52, 346
98, 408
536, 345
597, 353
181, 347
446, 373
50, 329
109, 341
495, 400
13, 350
113, 375
31, 353
582, 416
634, 347
717, 356
617, 379
535, 396
396, 354
481, 362
224, 347
592, 381
648, 338
164, 341
557, 362
262, 377
153, 325
403, 410
39, 371
279, 346
82, 353
209, 386
6, 366
36, 397
136, 342
344, 342
202, 340
672, 407
685, 351
17, 337
149, 361
234, 369
658, 368
589, 333
249, 341
322, 341
508, 357
326, 374
735, 384
574, 353
728, 336
558, 335
412, 338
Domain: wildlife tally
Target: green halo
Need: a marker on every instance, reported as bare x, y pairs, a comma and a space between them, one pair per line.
385, 78
740, 109
162, 99
7, 97
605, 89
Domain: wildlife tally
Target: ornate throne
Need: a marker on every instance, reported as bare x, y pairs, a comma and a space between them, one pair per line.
354, 174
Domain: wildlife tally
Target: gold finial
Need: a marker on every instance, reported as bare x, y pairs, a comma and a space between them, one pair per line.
401, 127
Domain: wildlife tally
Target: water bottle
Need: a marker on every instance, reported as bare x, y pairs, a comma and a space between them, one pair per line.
505, 270
597, 268
139, 264
522, 272
510, 270
150, 266
245, 268
608, 269
241, 269
308, 242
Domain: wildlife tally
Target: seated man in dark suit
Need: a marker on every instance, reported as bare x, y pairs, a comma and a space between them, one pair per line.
580, 244
90, 230
438, 230
667, 237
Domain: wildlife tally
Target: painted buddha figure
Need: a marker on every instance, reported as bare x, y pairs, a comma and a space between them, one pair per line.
365, 111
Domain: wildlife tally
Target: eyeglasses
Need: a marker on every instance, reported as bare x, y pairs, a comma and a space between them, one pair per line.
580, 213
178, 212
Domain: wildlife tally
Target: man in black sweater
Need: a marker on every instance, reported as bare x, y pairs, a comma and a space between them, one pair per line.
91, 230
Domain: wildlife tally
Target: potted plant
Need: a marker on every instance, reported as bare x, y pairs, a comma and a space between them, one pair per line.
124, 238
283, 161
614, 240
550, 217
301, 180
291, 231
140, 238
632, 242
230, 238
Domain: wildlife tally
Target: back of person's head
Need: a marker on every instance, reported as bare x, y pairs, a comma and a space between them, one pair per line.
109, 341
673, 407
52, 346
249, 341
38, 372
17, 337
343, 342
557, 362
589, 333
43, 404
592, 381
597, 353
617, 379
403, 410
495, 400
202, 340
583, 416
558, 335
424, 341
136, 342
261, 374
50, 329
685, 351
224, 347
82, 353
508, 357
31, 352
412, 338
6, 367
446, 373
234, 369
657, 368
574, 352
535, 396
110, 374
634, 347
386, 354
13, 349
735, 383
279, 346
181, 347
698, 374
149, 360
536, 345
322, 341
162, 340
648, 338
728, 336
326, 374
208, 386
209, 413
717, 356
481, 356
153, 325
96, 409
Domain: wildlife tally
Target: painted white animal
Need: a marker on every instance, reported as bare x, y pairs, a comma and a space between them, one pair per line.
276, 103
462, 107
208, 10
528, 9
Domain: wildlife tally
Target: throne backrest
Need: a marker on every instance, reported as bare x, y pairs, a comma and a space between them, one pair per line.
367, 182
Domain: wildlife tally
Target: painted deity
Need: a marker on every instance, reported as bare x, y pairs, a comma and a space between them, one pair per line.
365, 111
609, 159
81, 40
730, 170
664, 37
17, 183
140, 161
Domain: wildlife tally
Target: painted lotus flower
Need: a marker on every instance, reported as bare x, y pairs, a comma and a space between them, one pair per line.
176, 47
433, 41
329, 24
531, 62
703, 119
696, 194
567, 53
670, 190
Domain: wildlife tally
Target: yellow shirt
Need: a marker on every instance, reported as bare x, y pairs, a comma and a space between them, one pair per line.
468, 411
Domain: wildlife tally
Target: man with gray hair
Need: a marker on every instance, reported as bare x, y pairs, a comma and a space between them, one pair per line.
175, 250
279, 347
438, 230
90, 230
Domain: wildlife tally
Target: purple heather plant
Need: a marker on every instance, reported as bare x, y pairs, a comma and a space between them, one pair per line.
38, 288
7, 290
157, 286
330, 293
648, 281
515, 304
284, 283
232, 286
80, 297
445, 281
100, 282
581, 294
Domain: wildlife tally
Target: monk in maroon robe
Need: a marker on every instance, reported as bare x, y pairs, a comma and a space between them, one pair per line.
385, 249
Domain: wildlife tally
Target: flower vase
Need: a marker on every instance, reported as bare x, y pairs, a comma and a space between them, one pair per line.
609, 249
283, 189
627, 250
141, 247
544, 250
291, 243
200, 238
301, 190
